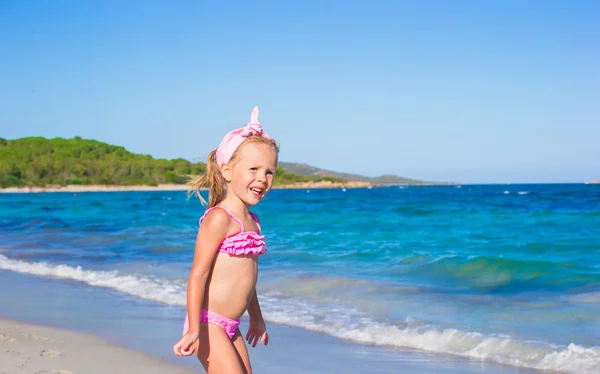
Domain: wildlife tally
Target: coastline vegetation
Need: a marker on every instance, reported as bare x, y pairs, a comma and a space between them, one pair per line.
40, 162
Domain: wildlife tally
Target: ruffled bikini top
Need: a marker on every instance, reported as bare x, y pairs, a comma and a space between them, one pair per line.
244, 243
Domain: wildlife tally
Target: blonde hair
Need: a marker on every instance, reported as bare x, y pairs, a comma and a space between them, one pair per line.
213, 179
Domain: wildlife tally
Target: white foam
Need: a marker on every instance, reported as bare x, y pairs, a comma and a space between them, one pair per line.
142, 286
343, 322
363, 329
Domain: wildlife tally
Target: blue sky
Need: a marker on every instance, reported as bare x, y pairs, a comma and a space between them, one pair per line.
468, 91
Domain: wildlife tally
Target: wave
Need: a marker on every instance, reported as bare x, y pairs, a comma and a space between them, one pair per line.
143, 286
506, 192
501, 349
505, 275
344, 323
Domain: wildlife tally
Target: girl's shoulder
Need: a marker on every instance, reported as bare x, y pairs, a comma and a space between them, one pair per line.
216, 217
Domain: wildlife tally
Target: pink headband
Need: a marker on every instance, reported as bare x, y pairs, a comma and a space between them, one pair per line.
234, 138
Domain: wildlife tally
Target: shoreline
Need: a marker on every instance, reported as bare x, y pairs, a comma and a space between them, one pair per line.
184, 187
169, 187
32, 348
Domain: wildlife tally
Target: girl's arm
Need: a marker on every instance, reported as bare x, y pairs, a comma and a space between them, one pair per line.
257, 331
254, 311
211, 234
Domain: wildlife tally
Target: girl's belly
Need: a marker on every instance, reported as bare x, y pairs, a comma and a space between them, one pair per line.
231, 285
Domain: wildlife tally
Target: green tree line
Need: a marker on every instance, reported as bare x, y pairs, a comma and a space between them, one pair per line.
37, 161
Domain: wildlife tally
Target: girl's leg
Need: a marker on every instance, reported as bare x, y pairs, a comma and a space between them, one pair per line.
216, 352
242, 351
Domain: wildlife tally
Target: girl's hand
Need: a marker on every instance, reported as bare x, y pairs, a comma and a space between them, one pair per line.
185, 346
257, 331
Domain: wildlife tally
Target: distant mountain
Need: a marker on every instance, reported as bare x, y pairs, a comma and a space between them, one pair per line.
307, 170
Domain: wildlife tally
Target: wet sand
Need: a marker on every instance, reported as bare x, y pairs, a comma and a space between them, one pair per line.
26, 348
167, 187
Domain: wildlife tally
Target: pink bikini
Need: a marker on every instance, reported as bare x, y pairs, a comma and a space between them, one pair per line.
244, 243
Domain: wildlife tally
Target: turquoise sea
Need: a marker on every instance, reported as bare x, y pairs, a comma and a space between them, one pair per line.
505, 274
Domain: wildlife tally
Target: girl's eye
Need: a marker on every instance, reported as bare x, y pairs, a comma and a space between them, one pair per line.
269, 172
253, 169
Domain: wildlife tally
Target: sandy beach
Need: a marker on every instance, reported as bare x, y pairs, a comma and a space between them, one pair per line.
26, 348
168, 187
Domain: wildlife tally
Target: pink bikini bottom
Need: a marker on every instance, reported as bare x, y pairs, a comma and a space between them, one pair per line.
229, 325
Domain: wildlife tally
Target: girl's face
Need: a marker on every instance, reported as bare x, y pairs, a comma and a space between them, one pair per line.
251, 176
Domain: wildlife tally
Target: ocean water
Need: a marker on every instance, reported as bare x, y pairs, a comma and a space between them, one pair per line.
497, 273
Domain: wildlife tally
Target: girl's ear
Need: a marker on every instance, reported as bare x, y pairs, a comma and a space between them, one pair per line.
226, 172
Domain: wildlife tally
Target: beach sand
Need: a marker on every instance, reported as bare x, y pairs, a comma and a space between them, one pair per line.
26, 348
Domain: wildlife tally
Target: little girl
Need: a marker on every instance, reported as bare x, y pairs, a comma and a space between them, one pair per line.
222, 282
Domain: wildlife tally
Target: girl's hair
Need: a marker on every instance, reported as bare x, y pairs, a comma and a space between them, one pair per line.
213, 179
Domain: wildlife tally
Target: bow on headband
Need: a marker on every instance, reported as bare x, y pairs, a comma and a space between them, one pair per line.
234, 138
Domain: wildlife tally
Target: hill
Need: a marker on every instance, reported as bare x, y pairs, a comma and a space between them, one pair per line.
307, 170
37, 161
